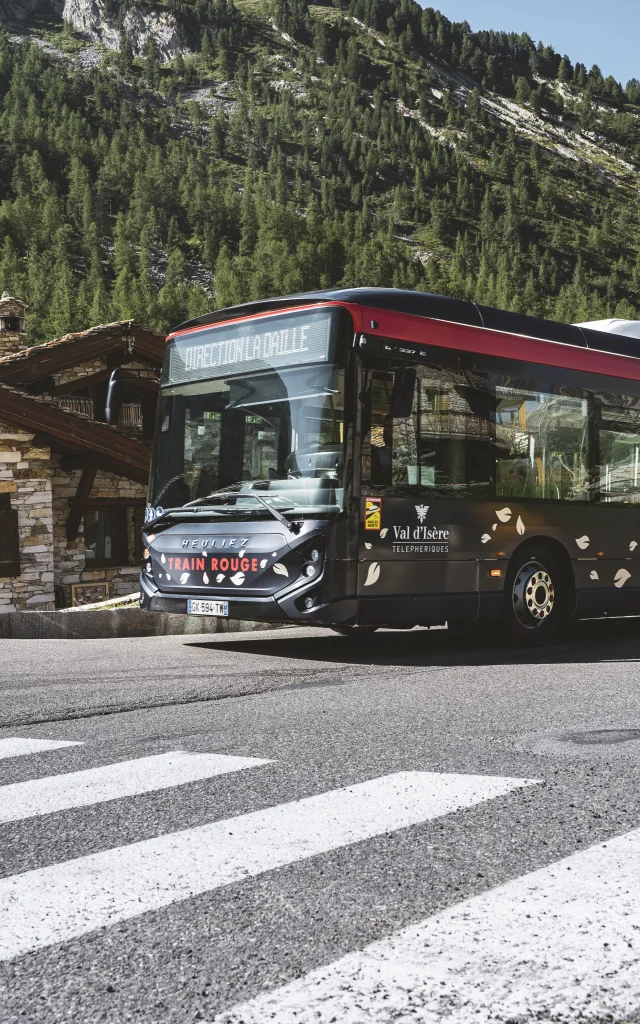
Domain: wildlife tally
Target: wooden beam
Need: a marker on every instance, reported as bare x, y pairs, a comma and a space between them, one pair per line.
74, 431
121, 342
81, 382
81, 498
44, 360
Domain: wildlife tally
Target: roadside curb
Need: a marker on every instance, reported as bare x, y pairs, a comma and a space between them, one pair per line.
115, 622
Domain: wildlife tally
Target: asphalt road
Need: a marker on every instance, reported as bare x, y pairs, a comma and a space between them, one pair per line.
106, 916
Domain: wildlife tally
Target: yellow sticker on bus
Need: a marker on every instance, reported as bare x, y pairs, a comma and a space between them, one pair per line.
372, 513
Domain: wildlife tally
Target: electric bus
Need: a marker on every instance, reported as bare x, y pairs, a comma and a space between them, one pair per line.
366, 458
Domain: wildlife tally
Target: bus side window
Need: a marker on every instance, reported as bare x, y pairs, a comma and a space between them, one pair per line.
541, 443
378, 447
431, 429
619, 451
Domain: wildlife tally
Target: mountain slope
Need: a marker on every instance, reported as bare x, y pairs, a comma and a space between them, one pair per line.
287, 146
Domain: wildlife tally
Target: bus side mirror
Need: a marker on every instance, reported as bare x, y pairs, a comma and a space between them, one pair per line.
404, 386
115, 390
114, 398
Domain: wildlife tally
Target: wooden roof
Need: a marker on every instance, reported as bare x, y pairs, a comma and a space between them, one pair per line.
74, 434
121, 342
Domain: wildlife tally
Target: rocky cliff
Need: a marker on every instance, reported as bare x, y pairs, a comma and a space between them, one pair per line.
89, 17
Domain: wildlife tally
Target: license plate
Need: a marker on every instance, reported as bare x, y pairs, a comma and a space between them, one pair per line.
208, 608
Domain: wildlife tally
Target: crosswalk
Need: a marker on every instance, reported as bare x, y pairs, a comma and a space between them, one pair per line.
114, 781
560, 942
17, 746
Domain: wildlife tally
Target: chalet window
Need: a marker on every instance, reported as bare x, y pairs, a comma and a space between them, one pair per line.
9, 539
105, 537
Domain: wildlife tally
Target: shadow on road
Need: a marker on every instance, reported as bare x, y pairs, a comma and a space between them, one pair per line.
590, 641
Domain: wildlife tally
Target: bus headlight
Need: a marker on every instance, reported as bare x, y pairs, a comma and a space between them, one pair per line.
311, 560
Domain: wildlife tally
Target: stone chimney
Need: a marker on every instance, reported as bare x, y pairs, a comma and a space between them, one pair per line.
13, 325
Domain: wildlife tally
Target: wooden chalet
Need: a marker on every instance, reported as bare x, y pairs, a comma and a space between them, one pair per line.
72, 488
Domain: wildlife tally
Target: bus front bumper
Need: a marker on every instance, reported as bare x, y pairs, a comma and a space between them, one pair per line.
290, 609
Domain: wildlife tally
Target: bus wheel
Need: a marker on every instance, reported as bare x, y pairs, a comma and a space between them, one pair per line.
535, 597
353, 631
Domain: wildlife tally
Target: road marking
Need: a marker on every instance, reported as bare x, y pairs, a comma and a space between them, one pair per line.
558, 944
113, 782
60, 902
17, 746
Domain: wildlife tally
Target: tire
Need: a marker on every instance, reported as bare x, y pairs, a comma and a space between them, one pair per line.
536, 597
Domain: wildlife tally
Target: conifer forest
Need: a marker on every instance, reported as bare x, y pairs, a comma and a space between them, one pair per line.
287, 146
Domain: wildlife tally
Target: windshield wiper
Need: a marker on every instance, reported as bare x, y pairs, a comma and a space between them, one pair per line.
292, 527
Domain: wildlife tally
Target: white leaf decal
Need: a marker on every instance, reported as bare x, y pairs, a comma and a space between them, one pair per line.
373, 575
520, 526
368, 546
184, 578
168, 575
583, 542
263, 563
162, 558
593, 575
280, 569
151, 537
273, 554
485, 538
494, 527
504, 515
241, 554
383, 533
205, 578
220, 577
621, 578
633, 545
238, 579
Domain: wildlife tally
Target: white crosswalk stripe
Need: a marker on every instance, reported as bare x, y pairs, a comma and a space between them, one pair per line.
560, 944
19, 746
69, 899
114, 781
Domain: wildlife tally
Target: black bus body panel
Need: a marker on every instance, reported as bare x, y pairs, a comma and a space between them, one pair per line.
434, 559
427, 562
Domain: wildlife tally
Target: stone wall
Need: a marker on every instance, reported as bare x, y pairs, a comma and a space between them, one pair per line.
12, 311
69, 556
83, 370
96, 366
40, 491
25, 473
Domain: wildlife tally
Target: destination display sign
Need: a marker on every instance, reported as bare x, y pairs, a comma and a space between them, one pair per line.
266, 343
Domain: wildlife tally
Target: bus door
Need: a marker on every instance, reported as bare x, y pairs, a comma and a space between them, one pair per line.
426, 465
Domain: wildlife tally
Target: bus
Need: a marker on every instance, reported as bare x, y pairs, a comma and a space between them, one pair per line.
367, 457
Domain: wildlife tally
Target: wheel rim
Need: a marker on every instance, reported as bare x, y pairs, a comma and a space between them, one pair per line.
533, 594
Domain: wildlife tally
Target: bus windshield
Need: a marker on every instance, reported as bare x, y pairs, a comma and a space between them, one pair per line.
277, 433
